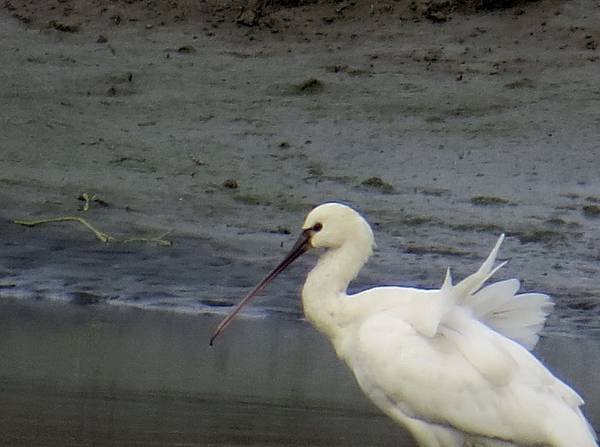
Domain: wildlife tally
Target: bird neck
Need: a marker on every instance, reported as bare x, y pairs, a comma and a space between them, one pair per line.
324, 292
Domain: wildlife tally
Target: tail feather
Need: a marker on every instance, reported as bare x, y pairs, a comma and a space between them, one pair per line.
473, 282
519, 317
494, 296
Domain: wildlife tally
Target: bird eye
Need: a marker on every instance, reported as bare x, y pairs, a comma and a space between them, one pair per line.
317, 226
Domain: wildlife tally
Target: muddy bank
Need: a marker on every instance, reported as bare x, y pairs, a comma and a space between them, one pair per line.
443, 134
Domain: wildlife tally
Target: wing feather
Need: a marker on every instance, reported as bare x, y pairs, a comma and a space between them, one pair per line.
517, 316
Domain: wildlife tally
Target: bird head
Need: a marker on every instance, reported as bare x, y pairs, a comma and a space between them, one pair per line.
329, 226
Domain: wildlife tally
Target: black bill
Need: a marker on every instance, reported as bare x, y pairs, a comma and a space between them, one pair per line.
299, 248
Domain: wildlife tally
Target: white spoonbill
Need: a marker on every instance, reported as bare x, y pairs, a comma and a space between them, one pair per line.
451, 365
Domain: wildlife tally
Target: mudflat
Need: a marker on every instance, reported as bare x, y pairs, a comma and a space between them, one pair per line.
185, 118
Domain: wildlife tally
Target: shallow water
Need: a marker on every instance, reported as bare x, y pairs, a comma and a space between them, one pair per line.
39, 416
100, 375
103, 375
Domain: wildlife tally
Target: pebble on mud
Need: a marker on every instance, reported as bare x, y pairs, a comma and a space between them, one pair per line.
309, 87
230, 184
186, 49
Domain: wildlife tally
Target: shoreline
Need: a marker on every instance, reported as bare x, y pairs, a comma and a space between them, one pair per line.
201, 276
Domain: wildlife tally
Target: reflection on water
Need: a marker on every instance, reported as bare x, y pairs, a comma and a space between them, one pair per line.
100, 375
38, 416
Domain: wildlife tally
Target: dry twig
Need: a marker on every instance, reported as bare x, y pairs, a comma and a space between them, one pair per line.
100, 235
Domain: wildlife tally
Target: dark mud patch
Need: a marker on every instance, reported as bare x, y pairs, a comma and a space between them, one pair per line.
417, 221
230, 183
561, 223
591, 211
378, 184
479, 227
488, 201
311, 86
64, 27
538, 236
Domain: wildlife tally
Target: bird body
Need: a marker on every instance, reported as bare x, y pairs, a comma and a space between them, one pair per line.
452, 365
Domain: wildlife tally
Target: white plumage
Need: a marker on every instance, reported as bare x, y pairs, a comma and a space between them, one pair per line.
451, 365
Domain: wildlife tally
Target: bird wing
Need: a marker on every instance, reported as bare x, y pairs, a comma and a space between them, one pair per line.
466, 377
519, 317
